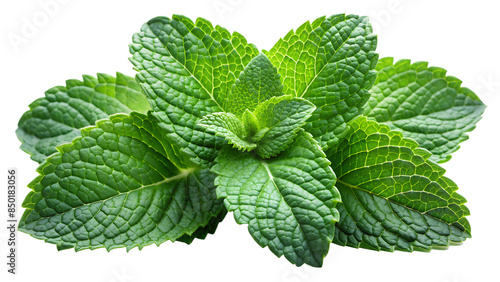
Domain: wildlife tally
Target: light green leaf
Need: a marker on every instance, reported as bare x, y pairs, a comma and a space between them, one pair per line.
187, 70
58, 117
424, 104
288, 202
269, 130
228, 126
250, 123
279, 119
331, 63
258, 82
259, 134
115, 186
393, 197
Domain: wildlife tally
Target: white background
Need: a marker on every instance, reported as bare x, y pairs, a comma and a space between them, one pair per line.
85, 37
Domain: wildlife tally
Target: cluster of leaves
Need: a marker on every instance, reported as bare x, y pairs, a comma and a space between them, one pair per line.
312, 142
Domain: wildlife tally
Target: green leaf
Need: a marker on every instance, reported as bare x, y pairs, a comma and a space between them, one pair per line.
279, 119
202, 232
258, 82
187, 70
259, 134
393, 197
273, 126
331, 63
288, 202
58, 117
424, 104
250, 123
116, 186
228, 126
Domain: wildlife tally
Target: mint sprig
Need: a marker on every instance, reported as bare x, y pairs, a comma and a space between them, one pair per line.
294, 142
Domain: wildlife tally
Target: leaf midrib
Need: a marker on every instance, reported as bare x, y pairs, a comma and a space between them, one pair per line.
271, 177
183, 174
479, 107
326, 63
190, 73
339, 180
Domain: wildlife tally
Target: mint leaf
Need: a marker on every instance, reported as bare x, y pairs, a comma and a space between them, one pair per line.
202, 232
258, 82
187, 70
280, 118
269, 130
228, 126
288, 202
424, 104
126, 168
58, 117
250, 124
260, 134
329, 62
393, 197
116, 186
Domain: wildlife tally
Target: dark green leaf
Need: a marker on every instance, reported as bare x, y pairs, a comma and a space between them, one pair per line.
288, 202
58, 117
116, 186
393, 197
187, 70
424, 104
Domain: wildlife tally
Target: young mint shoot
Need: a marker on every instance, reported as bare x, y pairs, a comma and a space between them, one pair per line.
313, 142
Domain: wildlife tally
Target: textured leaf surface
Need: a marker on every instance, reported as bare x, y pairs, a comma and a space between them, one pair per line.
282, 117
250, 123
228, 126
58, 117
288, 202
258, 82
331, 63
115, 186
202, 232
424, 104
187, 70
393, 197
